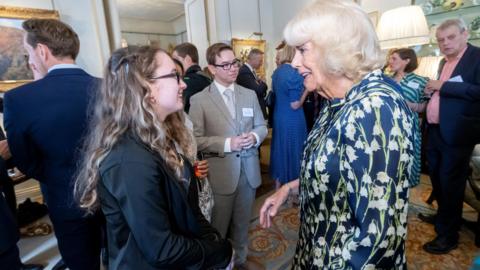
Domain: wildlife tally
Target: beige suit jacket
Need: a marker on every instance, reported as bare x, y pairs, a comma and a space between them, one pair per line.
213, 124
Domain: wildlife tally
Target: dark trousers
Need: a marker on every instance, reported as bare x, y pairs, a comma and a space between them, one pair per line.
449, 169
79, 241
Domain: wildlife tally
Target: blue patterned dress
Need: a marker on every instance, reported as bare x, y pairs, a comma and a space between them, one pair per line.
412, 90
354, 181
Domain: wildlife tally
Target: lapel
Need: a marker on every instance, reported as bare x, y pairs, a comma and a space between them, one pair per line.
440, 68
239, 102
217, 100
463, 63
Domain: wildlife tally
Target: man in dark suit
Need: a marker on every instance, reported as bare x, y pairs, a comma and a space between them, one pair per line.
45, 121
452, 115
247, 77
195, 79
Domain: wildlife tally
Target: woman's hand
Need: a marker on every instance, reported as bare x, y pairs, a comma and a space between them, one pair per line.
270, 206
201, 168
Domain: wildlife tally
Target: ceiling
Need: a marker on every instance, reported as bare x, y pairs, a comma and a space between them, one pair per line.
153, 10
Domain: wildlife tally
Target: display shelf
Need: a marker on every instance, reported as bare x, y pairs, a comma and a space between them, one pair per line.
452, 13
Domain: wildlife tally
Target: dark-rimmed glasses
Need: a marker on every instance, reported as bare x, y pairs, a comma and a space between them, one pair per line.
228, 66
175, 75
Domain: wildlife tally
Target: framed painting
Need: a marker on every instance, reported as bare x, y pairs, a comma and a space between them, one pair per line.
242, 47
14, 70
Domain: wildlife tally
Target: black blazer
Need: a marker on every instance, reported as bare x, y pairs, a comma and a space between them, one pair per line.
152, 222
460, 101
247, 79
45, 121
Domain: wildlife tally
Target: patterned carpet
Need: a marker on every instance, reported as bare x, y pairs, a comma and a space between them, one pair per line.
273, 248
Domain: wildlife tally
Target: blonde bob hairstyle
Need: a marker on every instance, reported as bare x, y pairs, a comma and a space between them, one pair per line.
343, 35
286, 54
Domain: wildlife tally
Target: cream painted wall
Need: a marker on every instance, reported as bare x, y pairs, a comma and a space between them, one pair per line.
197, 27
87, 18
145, 26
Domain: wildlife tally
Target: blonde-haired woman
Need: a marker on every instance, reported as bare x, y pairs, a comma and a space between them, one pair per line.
357, 159
289, 125
137, 169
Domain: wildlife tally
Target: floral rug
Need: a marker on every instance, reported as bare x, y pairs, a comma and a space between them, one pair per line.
273, 248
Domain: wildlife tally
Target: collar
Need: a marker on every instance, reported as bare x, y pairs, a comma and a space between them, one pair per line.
458, 56
193, 69
222, 88
250, 67
60, 66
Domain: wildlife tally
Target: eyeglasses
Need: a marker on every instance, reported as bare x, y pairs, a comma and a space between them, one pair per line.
175, 75
228, 66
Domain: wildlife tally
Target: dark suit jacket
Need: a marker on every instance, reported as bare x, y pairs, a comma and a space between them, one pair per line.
247, 79
45, 121
152, 221
196, 81
460, 101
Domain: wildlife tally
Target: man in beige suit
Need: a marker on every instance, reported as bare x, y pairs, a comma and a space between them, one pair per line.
229, 126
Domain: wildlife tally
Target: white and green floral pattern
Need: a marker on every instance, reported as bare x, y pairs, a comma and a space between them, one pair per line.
354, 181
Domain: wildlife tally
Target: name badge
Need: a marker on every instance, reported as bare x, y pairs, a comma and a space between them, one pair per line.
413, 85
247, 112
457, 78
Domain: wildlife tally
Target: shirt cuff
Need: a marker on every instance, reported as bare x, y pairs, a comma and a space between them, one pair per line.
226, 147
257, 138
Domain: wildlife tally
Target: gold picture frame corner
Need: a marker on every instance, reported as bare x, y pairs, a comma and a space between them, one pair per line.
27, 13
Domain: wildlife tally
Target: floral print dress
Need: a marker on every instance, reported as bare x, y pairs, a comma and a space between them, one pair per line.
354, 181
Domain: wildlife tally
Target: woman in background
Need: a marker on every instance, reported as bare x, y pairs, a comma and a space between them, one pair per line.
402, 63
137, 168
355, 168
289, 126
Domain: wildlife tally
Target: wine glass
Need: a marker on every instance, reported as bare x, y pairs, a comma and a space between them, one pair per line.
242, 130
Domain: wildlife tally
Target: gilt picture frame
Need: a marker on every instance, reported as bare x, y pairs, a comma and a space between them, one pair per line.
14, 70
241, 48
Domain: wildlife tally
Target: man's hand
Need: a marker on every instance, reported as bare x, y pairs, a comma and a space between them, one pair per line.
432, 86
237, 143
4, 150
249, 140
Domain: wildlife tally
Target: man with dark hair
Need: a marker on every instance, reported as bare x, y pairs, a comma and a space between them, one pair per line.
453, 117
194, 77
45, 121
247, 77
228, 125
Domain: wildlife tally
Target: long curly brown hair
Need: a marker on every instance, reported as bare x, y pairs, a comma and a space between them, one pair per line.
122, 106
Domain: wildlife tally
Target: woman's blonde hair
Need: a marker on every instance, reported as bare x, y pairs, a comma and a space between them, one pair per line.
122, 107
342, 33
286, 54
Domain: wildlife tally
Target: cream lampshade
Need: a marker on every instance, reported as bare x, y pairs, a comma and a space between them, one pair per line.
403, 27
428, 66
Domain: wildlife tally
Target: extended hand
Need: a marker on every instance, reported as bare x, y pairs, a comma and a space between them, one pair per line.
270, 206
